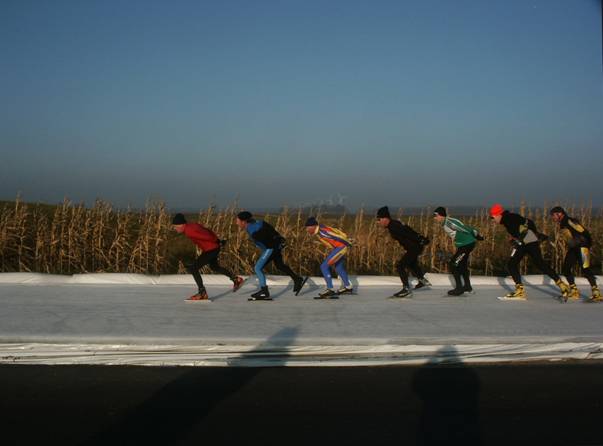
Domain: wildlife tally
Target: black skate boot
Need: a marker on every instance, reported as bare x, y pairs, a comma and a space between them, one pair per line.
263, 294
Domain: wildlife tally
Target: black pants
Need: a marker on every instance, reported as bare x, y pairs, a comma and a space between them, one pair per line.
410, 261
207, 258
459, 266
277, 258
533, 250
580, 256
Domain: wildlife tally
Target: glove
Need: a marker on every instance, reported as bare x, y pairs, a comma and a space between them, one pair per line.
281, 243
423, 241
542, 237
517, 243
479, 237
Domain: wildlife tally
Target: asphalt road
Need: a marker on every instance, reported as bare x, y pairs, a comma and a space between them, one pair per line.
552, 403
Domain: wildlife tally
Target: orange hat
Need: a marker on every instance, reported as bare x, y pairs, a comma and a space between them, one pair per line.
496, 209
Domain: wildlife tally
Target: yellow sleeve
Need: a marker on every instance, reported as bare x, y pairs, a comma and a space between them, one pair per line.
576, 226
566, 234
324, 242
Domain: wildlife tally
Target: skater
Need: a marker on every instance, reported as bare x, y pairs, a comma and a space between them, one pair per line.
271, 243
464, 238
525, 238
413, 243
579, 243
210, 245
339, 243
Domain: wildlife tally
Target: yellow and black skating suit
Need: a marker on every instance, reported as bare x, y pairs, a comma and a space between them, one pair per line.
579, 243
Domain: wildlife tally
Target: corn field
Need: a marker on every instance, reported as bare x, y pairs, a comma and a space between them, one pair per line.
71, 238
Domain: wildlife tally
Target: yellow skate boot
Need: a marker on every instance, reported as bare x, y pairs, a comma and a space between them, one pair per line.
565, 289
574, 293
596, 297
518, 294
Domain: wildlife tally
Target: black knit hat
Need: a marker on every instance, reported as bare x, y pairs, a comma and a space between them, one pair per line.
557, 209
179, 219
311, 222
383, 212
244, 216
440, 211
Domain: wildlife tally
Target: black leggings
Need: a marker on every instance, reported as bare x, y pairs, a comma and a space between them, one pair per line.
207, 258
459, 265
277, 257
533, 250
410, 261
580, 256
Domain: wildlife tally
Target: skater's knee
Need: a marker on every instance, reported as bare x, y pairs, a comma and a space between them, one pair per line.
325, 267
401, 265
452, 265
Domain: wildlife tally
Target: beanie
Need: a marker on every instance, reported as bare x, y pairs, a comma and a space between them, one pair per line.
244, 216
179, 219
557, 209
311, 222
383, 212
496, 209
440, 211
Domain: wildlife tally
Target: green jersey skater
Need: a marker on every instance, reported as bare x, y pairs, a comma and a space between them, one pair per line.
464, 238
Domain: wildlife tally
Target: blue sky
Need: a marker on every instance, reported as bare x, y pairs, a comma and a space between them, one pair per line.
419, 102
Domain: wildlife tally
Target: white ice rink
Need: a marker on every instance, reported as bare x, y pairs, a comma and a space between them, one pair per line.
135, 319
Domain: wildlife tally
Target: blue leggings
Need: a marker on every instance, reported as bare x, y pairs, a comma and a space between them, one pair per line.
266, 257
335, 258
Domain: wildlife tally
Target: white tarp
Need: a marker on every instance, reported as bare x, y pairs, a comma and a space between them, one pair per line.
266, 355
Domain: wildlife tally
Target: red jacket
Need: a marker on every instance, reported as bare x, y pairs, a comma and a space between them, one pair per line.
201, 236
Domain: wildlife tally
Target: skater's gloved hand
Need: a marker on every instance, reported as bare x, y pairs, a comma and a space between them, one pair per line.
542, 237
479, 237
423, 241
517, 243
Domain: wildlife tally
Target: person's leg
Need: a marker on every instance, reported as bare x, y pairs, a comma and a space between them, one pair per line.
277, 256
533, 250
401, 268
513, 263
194, 268
586, 268
237, 281
215, 266
513, 266
571, 258
413, 262
265, 257
464, 266
455, 270
336, 258
325, 268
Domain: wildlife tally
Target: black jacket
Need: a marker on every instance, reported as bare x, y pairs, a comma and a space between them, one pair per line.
265, 236
405, 235
519, 227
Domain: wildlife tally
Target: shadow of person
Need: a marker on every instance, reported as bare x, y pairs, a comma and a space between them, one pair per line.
221, 295
174, 411
503, 283
449, 392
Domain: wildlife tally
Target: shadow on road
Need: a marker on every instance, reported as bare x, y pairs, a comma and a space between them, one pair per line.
449, 392
171, 413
